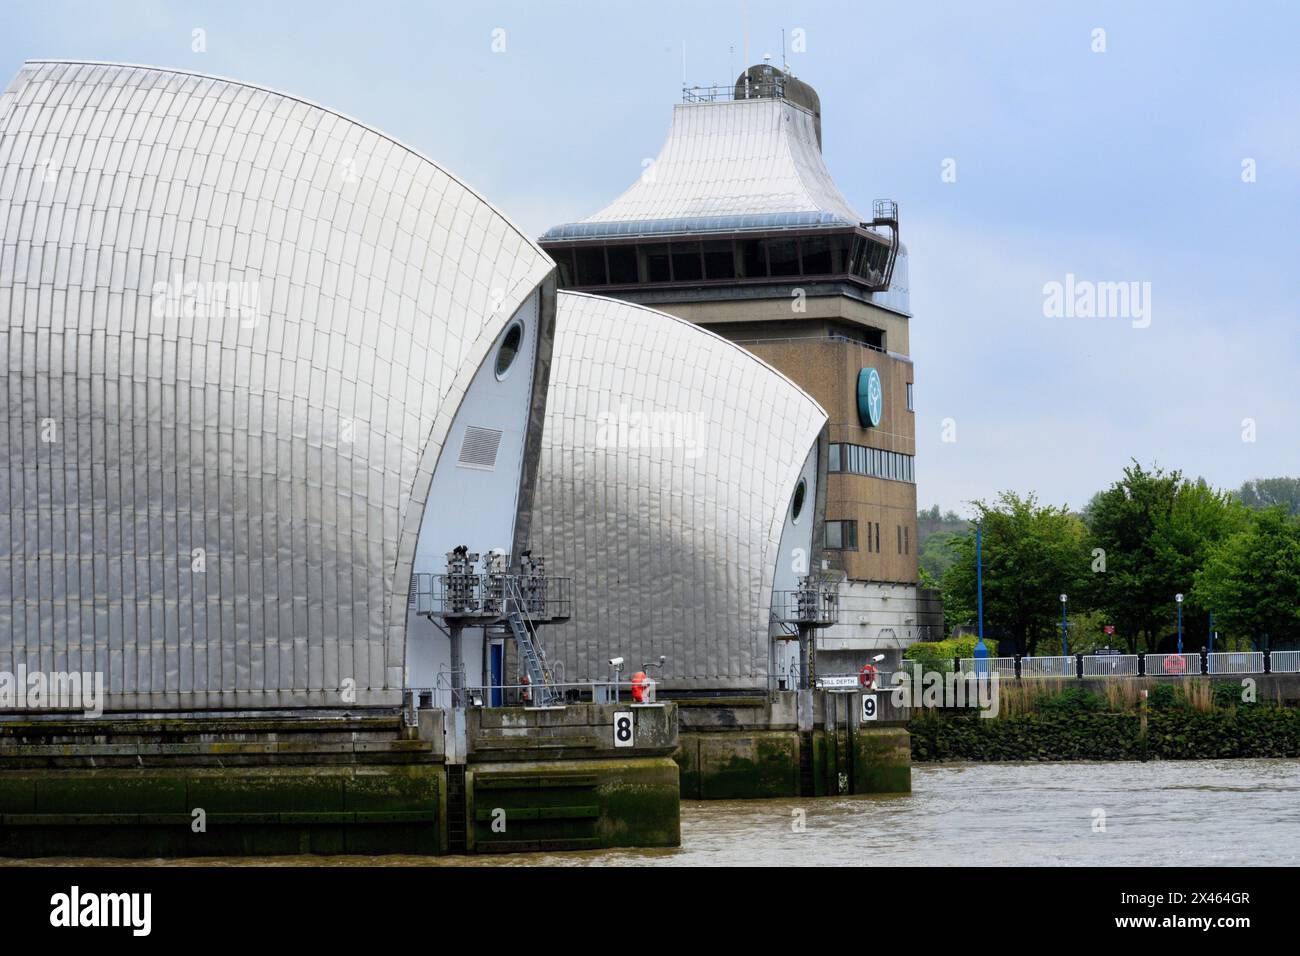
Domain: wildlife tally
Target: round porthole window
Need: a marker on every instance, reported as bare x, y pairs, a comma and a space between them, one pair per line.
509, 349
796, 507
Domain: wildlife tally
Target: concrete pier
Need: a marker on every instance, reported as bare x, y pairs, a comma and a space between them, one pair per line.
790, 744
470, 781
228, 786
562, 779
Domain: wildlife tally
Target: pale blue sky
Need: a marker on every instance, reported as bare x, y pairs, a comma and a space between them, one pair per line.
1116, 166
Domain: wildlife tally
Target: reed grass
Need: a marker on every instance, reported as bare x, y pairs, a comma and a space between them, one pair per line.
1018, 697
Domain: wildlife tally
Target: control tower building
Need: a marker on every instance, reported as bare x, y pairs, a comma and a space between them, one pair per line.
739, 227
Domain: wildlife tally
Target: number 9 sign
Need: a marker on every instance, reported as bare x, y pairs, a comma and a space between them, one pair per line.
869, 709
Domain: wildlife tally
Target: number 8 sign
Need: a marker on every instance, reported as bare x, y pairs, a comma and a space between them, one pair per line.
623, 729
869, 711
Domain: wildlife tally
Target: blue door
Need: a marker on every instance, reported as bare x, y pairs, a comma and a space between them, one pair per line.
494, 658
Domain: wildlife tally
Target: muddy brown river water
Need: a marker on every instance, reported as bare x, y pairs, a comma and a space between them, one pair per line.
1230, 812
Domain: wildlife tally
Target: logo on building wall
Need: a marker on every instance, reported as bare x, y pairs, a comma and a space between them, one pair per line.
871, 398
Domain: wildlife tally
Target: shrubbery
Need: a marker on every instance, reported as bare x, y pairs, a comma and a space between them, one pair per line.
1076, 700
1076, 726
938, 655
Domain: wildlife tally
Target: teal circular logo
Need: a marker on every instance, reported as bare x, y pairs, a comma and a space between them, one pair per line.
871, 398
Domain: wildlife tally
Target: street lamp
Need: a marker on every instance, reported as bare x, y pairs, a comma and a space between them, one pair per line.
1179, 599
1065, 641
979, 588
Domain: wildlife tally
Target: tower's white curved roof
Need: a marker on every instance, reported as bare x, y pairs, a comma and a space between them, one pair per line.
291, 449
748, 163
669, 459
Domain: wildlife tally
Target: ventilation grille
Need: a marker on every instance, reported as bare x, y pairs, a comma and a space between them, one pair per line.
480, 448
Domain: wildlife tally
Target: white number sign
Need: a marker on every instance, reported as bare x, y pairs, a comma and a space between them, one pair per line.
869, 709
623, 729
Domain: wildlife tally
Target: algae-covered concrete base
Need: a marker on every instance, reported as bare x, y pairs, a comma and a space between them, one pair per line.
218, 787
882, 760
199, 811
752, 748
575, 777
573, 805
558, 779
482, 780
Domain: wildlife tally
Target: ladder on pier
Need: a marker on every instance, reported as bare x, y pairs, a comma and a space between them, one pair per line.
807, 784
530, 649
457, 818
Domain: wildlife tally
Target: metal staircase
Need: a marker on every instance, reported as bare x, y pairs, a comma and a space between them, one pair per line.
530, 649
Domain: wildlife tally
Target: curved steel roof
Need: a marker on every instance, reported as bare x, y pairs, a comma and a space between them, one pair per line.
669, 459
236, 504
727, 164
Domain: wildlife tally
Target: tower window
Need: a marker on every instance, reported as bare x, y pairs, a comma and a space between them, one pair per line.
622, 265
753, 256
719, 260
657, 264
872, 462
816, 254
783, 255
591, 265
842, 535
687, 266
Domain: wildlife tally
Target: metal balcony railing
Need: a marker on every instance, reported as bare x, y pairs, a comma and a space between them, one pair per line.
485, 596
816, 606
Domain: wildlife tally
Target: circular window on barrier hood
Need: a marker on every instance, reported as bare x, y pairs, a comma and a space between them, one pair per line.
509, 349
800, 492
871, 398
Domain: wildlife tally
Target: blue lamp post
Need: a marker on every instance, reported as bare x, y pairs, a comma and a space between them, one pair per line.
979, 582
1179, 599
1065, 639
981, 652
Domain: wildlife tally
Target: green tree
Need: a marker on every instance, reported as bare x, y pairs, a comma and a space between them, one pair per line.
1032, 553
1268, 492
1252, 579
935, 531
1149, 533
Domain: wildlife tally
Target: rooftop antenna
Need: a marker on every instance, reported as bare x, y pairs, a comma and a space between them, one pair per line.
744, 15
683, 64
783, 66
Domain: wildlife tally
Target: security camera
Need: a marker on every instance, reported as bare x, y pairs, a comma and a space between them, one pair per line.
616, 662
878, 658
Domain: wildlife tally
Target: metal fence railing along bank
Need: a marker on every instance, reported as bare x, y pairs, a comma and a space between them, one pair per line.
1134, 665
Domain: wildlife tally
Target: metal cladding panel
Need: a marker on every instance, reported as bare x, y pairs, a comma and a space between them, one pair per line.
216, 506
735, 158
669, 458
